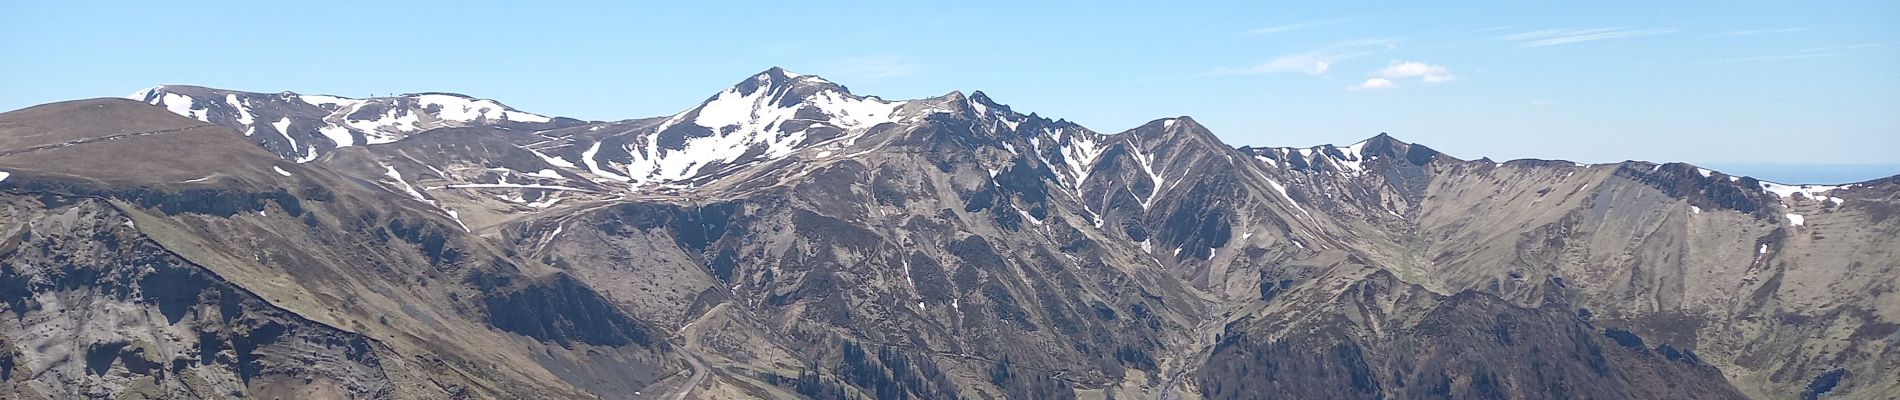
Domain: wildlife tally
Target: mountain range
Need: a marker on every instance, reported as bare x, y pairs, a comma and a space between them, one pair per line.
786, 238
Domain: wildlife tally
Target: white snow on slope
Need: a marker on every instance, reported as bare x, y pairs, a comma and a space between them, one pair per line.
1353, 157
337, 134
853, 113
458, 220
546, 173
378, 131
1145, 161
513, 186
750, 123
182, 105
143, 95
244, 113
1796, 220
399, 117
392, 174
1081, 152
280, 170
1811, 192
463, 109
4, 175
322, 100
587, 157
283, 128
555, 161
1281, 189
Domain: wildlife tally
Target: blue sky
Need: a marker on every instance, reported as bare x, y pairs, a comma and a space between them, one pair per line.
1699, 81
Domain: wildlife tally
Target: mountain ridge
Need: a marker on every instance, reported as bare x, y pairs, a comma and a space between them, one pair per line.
780, 76
786, 238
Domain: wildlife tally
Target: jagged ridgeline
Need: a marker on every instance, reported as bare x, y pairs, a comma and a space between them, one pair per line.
786, 238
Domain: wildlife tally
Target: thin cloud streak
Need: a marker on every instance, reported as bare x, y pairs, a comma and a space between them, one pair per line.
1492, 29
1558, 37
1312, 62
1768, 58
1295, 26
1753, 32
1846, 47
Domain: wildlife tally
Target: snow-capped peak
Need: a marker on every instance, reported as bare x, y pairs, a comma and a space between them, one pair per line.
767, 116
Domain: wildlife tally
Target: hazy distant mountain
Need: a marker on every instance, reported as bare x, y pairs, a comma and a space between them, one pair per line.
786, 238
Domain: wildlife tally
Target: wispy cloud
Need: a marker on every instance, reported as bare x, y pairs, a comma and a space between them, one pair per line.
1770, 58
1312, 62
1811, 52
1388, 77
864, 69
1295, 26
1494, 28
1753, 32
1557, 37
1827, 49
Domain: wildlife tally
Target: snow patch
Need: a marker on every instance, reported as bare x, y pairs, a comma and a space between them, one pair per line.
1081, 151
406, 188
512, 186
337, 134
1796, 220
244, 113
1353, 157
555, 161
853, 113
323, 100
1146, 161
182, 105
280, 170
1277, 188
587, 157
463, 109
458, 220
1811, 192
546, 173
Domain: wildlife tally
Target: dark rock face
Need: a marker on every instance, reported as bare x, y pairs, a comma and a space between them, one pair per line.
186, 328
1466, 347
1713, 191
560, 310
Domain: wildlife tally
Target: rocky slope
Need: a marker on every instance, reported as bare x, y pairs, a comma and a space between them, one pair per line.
786, 238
